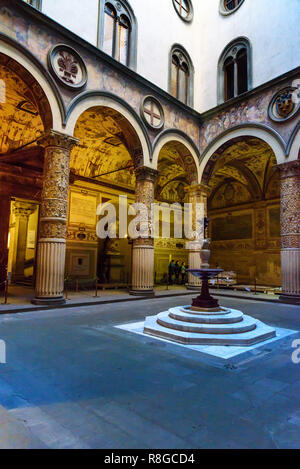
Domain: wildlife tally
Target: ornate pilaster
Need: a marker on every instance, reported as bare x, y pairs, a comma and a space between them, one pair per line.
290, 231
53, 218
22, 212
143, 248
198, 194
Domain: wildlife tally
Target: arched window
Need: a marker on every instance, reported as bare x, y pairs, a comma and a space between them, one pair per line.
229, 6
181, 76
109, 27
117, 31
234, 71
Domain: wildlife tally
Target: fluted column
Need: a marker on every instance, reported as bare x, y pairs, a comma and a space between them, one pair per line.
143, 248
49, 286
290, 231
22, 212
197, 195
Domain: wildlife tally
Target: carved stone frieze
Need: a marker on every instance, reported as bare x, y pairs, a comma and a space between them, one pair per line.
54, 203
290, 204
53, 229
143, 242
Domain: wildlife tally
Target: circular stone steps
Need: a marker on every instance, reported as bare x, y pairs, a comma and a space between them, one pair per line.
228, 327
231, 317
187, 309
247, 324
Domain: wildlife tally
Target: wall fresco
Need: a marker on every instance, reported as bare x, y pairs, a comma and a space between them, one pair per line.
40, 39
254, 111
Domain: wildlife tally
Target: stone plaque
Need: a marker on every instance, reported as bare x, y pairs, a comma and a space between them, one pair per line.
83, 209
31, 239
80, 264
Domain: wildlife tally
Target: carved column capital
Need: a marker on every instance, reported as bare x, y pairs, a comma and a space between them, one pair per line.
143, 173
57, 139
23, 209
198, 190
290, 169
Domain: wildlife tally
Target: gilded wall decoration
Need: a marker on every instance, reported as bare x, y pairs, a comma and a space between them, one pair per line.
20, 121
176, 170
230, 194
232, 227
103, 149
274, 222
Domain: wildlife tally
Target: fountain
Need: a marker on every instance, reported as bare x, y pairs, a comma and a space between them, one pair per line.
205, 322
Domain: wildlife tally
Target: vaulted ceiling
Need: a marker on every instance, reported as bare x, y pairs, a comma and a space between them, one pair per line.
176, 170
104, 148
20, 120
244, 171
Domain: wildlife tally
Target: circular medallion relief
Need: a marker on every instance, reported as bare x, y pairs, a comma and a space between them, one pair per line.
67, 66
229, 6
283, 105
152, 112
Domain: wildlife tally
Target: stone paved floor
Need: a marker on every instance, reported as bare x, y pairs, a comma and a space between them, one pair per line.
22, 295
72, 380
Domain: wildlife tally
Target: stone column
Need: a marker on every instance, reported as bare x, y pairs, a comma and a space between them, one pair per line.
49, 286
143, 248
22, 212
4, 229
197, 195
290, 231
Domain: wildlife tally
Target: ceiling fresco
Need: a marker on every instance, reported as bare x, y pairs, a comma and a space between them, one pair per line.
103, 148
243, 172
20, 121
176, 170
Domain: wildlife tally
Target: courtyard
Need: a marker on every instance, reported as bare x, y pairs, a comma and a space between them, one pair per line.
73, 380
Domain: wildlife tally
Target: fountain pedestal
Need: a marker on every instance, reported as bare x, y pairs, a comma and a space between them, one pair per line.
205, 301
207, 323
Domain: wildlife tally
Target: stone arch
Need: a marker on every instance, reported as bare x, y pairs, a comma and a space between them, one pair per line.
140, 143
33, 73
294, 144
264, 133
176, 136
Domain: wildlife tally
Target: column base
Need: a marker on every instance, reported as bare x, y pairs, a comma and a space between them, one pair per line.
147, 293
48, 301
292, 299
